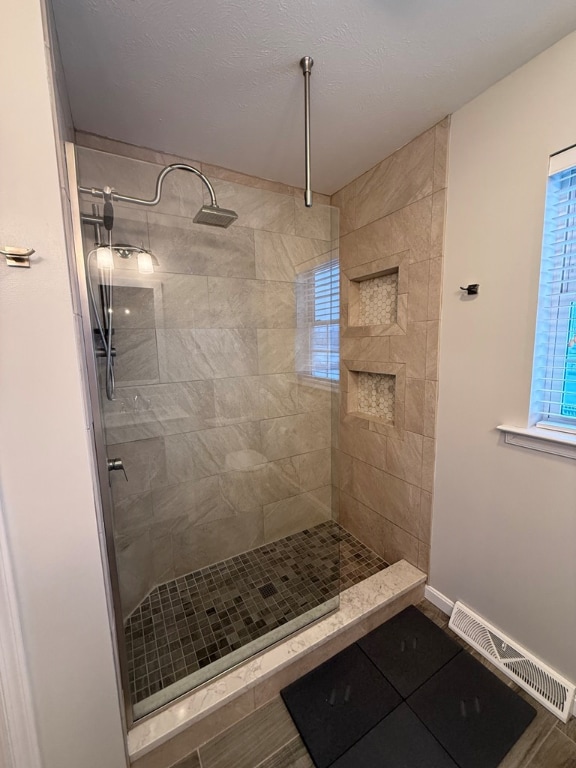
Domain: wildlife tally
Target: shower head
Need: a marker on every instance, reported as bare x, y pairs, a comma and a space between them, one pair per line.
215, 216
210, 214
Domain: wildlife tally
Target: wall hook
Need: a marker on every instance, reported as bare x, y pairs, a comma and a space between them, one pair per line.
471, 289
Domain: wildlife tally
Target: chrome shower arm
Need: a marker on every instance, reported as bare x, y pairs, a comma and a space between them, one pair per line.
159, 181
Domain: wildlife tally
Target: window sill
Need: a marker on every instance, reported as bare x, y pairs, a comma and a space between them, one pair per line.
538, 439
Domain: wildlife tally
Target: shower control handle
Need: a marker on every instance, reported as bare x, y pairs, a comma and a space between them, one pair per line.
116, 465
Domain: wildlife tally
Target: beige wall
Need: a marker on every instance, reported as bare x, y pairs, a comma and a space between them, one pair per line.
48, 502
392, 219
225, 444
504, 528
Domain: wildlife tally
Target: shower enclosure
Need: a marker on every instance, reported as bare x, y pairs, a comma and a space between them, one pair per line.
213, 406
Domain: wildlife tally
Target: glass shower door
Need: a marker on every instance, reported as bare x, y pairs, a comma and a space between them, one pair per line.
225, 386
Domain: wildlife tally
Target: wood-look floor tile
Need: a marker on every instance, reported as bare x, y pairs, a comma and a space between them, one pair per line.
293, 755
532, 739
433, 613
557, 751
192, 761
251, 741
568, 729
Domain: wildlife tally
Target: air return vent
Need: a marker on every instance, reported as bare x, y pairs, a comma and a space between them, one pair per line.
547, 686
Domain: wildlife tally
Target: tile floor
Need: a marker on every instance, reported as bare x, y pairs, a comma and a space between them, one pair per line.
192, 621
268, 738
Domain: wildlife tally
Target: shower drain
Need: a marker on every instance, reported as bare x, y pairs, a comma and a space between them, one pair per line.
267, 590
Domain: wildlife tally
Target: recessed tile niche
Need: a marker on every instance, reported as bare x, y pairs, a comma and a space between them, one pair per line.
378, 300
375, 297
374, 395
377, 395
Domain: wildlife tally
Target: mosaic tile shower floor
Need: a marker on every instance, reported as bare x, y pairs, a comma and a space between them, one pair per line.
194, 620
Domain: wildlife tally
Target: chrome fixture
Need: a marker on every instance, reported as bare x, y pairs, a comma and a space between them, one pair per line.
105, 264
215, 216
307, 63
211, 214
17, 257
116, 465
104, 255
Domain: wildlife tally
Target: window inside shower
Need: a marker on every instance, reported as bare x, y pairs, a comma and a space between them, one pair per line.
223, 530
318, 312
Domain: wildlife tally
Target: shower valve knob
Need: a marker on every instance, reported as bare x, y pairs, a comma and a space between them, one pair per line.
116, 465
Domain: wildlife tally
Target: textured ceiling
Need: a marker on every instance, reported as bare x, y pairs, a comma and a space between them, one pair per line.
219, 81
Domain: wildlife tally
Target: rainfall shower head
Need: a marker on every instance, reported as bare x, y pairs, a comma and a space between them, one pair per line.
215, 216
210, 214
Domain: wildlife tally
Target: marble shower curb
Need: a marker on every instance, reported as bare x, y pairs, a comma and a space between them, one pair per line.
357, 604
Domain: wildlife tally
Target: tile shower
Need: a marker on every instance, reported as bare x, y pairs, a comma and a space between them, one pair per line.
238, 461
391, 248
227, 442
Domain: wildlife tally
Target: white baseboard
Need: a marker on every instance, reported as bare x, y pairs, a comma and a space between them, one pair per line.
439, 600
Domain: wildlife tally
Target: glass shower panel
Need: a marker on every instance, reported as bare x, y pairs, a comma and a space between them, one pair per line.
225, 393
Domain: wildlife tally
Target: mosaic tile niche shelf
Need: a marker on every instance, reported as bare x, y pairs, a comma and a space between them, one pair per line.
377, 395
378, 300
188, 623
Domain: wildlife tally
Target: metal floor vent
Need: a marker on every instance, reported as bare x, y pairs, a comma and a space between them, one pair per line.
547, 686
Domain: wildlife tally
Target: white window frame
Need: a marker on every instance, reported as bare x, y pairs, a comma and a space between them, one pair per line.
318, 311
553, 394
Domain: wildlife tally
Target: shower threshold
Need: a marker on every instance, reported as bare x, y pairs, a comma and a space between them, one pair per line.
196, 626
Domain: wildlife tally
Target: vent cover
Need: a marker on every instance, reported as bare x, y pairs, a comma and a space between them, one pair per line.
548, 687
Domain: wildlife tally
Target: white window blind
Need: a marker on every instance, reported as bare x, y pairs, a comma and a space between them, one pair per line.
554, 378
318, 309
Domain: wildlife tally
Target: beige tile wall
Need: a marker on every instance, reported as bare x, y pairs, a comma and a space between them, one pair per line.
226, 447
393, 217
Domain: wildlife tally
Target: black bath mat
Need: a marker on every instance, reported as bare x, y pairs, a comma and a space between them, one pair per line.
408, 649
399, 741
475, 716
336, 704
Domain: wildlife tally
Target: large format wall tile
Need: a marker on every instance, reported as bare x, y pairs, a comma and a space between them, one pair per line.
198, 545
145, 465
251, 398
276, 350
292, 435
315, 222
182, 302
401, 179
198, 501
392, 498
188, 355
279, 257
289, 516
134, 563
194, 455
251, 303
136, 356
257, 208
133, 513
211, 419
184, 247
134, 307
386, 480
160, 409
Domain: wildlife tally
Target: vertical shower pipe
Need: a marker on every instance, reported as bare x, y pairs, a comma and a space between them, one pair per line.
307, 63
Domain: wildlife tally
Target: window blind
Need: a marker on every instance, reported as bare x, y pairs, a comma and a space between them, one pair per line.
554, 381
318, 303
